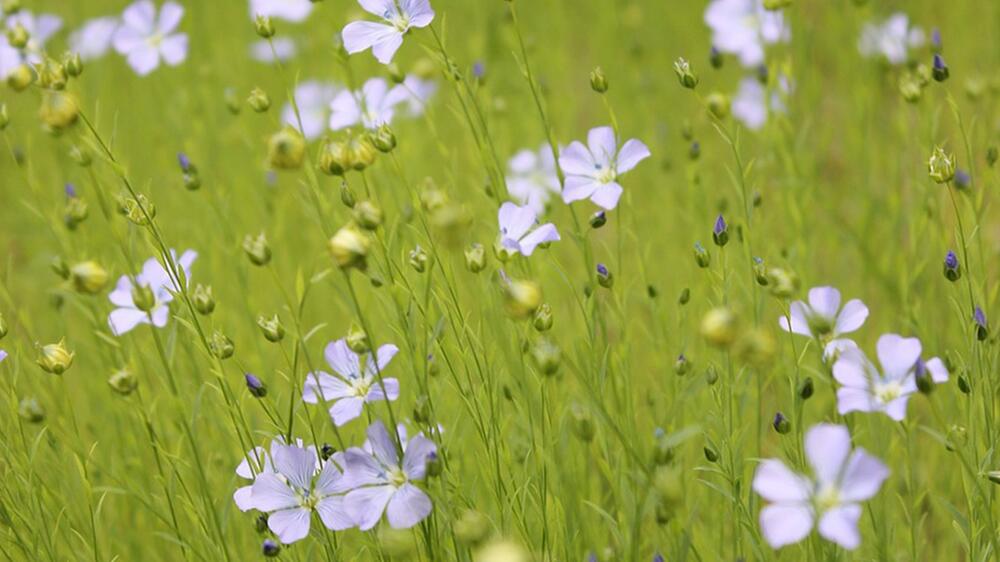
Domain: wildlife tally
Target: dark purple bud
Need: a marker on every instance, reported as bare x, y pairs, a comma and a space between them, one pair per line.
255, 386
270, 548
962, 179
658, 557
184, 161
781, 423
715, 58
592, 557
762, 74
604, 277
720, 233
982, 330
939, 68
479, 70
952, 267
925, 383
951, 260
70, 190
602, 269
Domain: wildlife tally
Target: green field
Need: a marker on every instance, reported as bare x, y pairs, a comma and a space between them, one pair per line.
620, 393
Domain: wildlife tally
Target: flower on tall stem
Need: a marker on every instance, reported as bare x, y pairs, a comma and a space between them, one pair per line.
374, 105
592, 171
830, 499
520, 232
382, 483
145, 37
823, 319
384, 39
354, 384
298, 486
532, 177
744, 27
866, 389
156, 283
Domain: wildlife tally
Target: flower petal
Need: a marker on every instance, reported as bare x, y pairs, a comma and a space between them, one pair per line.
346, 409
382, 444
579, 188
290, 525
603, 145
851, 317
784, 524
515, 221
897, 354
862, 477
576, 160
170, 17
799, 324
407, 507
545, 233
322, 387
271, 493
366, 505
775, 482
840, 525
123, 320
607, 195
297, 464
333, 512
632, 152
391, 389
342, 359
825, 301
415, 457
827, 447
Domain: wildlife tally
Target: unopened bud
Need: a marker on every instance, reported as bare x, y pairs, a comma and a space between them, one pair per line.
259, 101
805, 389
54, 358
781, 424
598, 80
384, 139
256, 387
682, 365
349, 248
547, 356
718, 105
583, 423
286, 149
203, 300
123, 382
941, 166
542, 321
221, 346
272, 329
604, 277
257, 249
264, 27
701, 256
30, 410
88, 277
357, 340
419, 259
685, 75
719, 327
367, 215
472, 528
522, 298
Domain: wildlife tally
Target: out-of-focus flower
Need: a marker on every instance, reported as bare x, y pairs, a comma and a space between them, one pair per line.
93, 40
374, 105
865, 389
39, 28
592, 171
157, 281
751, 105
299, 485
822, 318
284, 49
313, 99
532, 177
288, 10
519, 230
354, 384
382, 483
744, 27
384, 39
830, 499
891, 39
418, 92
145, 36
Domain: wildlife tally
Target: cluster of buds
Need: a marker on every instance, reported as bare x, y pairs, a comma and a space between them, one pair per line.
356, 152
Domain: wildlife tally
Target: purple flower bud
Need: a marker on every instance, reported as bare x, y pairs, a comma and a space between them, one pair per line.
592, 557
602, 269
952, 267
982, 330
270, 548
604, 277
951, 260
962, 179
255, 386
720, 225
939, 70
658, 557
720, 233
70, 190
184, 161
781, 423
479, 70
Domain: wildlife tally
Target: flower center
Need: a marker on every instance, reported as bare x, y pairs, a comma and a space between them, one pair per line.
827, 498
605, 174
888, 391
154, 40
361, 386
399, 20
397, 477
819, 325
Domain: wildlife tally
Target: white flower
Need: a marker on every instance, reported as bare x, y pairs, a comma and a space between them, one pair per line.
313, 99
418, 92
299, 485
355, 385
93, 39
40, 29
519, 230
831, 499
145, 37
284, 49
592, 172
866, 390
373, 106
892, 39
289, 10
532, 177
750, 104
384, 39
380, 483
153, 275
823, 319
743, 27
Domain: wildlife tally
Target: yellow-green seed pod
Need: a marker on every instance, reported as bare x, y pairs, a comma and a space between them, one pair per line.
258, 100
54, 358
472, 527
73, 64
522, 298
123, 382
357, 340
59, 111
335, 159
272, 328
720, 327
475, 258
20, 78
941, 165
257, 249
18, 36
367, 215
286, 149
88, 277
718, 105
349, 247
30, 410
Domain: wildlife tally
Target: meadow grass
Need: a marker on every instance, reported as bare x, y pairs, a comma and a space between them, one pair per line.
635, 424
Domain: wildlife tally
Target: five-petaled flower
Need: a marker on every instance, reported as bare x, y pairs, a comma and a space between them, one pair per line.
891, 40
532, 177
299, 485
865, 389
354, 384
380, 483
374, 105
744, 27
154, 277
823, 319
312, 98
831, 499
146, 37
592, 171
519, 230
384, 39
